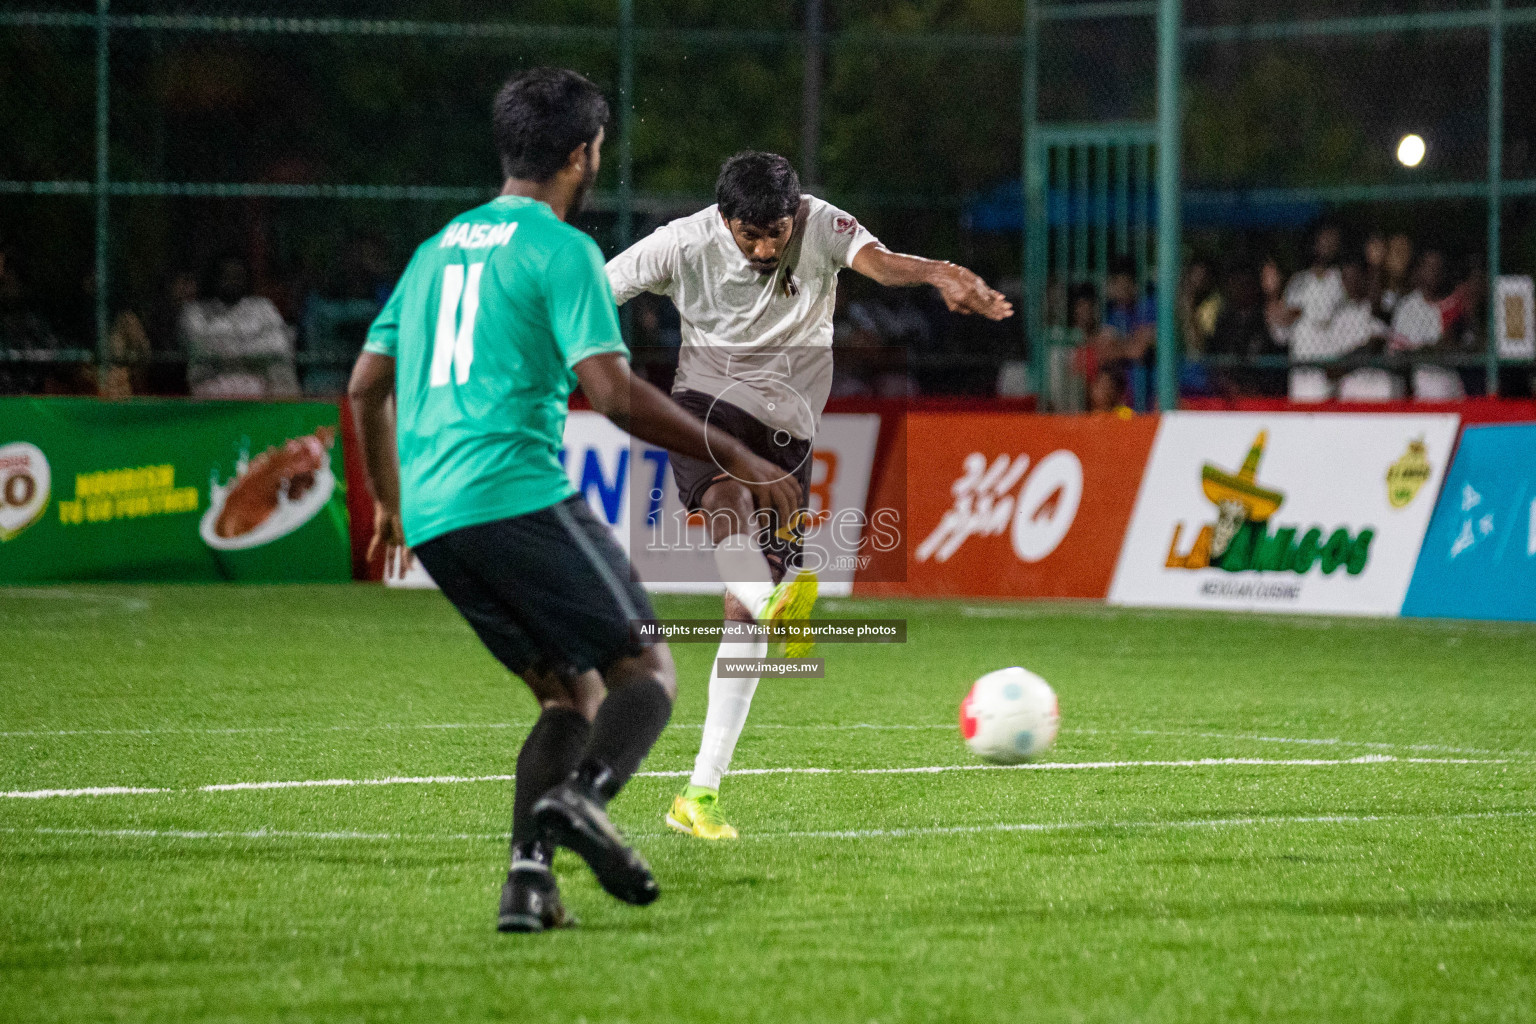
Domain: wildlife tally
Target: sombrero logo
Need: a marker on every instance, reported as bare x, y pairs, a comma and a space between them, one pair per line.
1243, 538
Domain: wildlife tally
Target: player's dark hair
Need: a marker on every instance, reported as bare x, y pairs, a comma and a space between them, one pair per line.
540, 116
757, 189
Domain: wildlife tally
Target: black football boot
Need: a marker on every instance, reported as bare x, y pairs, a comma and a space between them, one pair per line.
530, 899
573, 815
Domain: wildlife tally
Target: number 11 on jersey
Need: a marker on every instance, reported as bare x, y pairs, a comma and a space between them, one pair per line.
453, 347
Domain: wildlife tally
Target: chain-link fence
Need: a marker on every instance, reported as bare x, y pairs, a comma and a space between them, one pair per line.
157, 152
290, 153
1356, 218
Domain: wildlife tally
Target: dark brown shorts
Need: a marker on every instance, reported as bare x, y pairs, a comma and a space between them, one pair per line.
792, 454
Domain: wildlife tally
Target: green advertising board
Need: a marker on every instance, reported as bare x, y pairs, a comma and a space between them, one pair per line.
171, 490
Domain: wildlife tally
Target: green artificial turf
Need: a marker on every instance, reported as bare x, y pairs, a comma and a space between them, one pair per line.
1379, 890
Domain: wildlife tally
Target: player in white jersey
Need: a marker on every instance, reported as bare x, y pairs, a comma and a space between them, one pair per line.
754, 279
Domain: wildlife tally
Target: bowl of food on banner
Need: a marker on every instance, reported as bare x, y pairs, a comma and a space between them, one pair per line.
274, 519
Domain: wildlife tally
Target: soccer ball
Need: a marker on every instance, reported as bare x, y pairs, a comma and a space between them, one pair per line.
1009, 716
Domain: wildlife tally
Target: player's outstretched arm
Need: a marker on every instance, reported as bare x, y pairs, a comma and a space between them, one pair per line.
636, 406
963, 291
370, 392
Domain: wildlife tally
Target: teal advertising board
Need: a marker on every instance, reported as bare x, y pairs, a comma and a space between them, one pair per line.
1479, 556
171, 490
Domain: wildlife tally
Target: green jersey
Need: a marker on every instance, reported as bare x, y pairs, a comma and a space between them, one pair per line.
485, 326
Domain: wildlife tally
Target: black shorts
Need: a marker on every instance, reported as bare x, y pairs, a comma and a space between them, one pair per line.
550, 590
782, 546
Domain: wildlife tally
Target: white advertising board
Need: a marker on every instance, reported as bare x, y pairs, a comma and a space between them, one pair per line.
1293, 512
627, 482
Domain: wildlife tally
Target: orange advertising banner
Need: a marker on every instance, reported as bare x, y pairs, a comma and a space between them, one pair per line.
1009, 505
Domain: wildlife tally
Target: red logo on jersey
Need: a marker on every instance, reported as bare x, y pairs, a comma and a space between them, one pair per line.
844, 225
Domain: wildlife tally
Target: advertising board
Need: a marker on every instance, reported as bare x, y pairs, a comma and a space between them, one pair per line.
1479, 556
1291, 512
168, 490
1008, 505
629, 486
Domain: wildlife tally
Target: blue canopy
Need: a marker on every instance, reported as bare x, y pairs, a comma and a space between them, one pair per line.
1000, 210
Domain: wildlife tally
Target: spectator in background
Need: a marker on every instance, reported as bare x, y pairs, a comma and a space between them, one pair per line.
1389, 264
1242, 332
129, 354
1311, 298
866, 364
1130, 316
659, 323
1106, 392
1350, 331
1105, 359
1277, 315
168, 366
335, 317
237, 343
146, 355
1424, 323
1357, 331
659, 335
1199, 307
896, 323
27, 343
1129, 312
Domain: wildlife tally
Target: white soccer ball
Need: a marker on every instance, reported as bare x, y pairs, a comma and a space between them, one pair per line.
1009, 716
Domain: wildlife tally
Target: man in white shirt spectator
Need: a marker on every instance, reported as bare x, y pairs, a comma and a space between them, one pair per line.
1389, 268
1355, 328
1424, 321
1351, 330
1311, 298
237, 344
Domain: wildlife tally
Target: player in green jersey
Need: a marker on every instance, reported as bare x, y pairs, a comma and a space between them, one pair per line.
460, 399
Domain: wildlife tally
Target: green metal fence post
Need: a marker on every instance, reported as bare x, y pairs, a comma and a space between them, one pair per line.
1058, 178
1170, 122
1101, 214
1123, 199
1082, 210
810, 96
1495, 181
624, 230
103, 175
1033, 177
626, 196
1144, 239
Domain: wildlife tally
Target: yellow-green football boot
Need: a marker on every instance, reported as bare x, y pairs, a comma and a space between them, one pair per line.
696, 811
793, 600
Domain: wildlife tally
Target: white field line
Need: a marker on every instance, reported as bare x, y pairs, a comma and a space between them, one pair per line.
1435, 748
1065, 826
261, 729
417, 780
132, 604
259, 833
876, 833
388, 727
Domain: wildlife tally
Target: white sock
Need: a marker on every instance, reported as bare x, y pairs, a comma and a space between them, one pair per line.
744, 571
729, 702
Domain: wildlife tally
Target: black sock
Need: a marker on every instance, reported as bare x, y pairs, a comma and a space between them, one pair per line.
627, 725
549, 755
